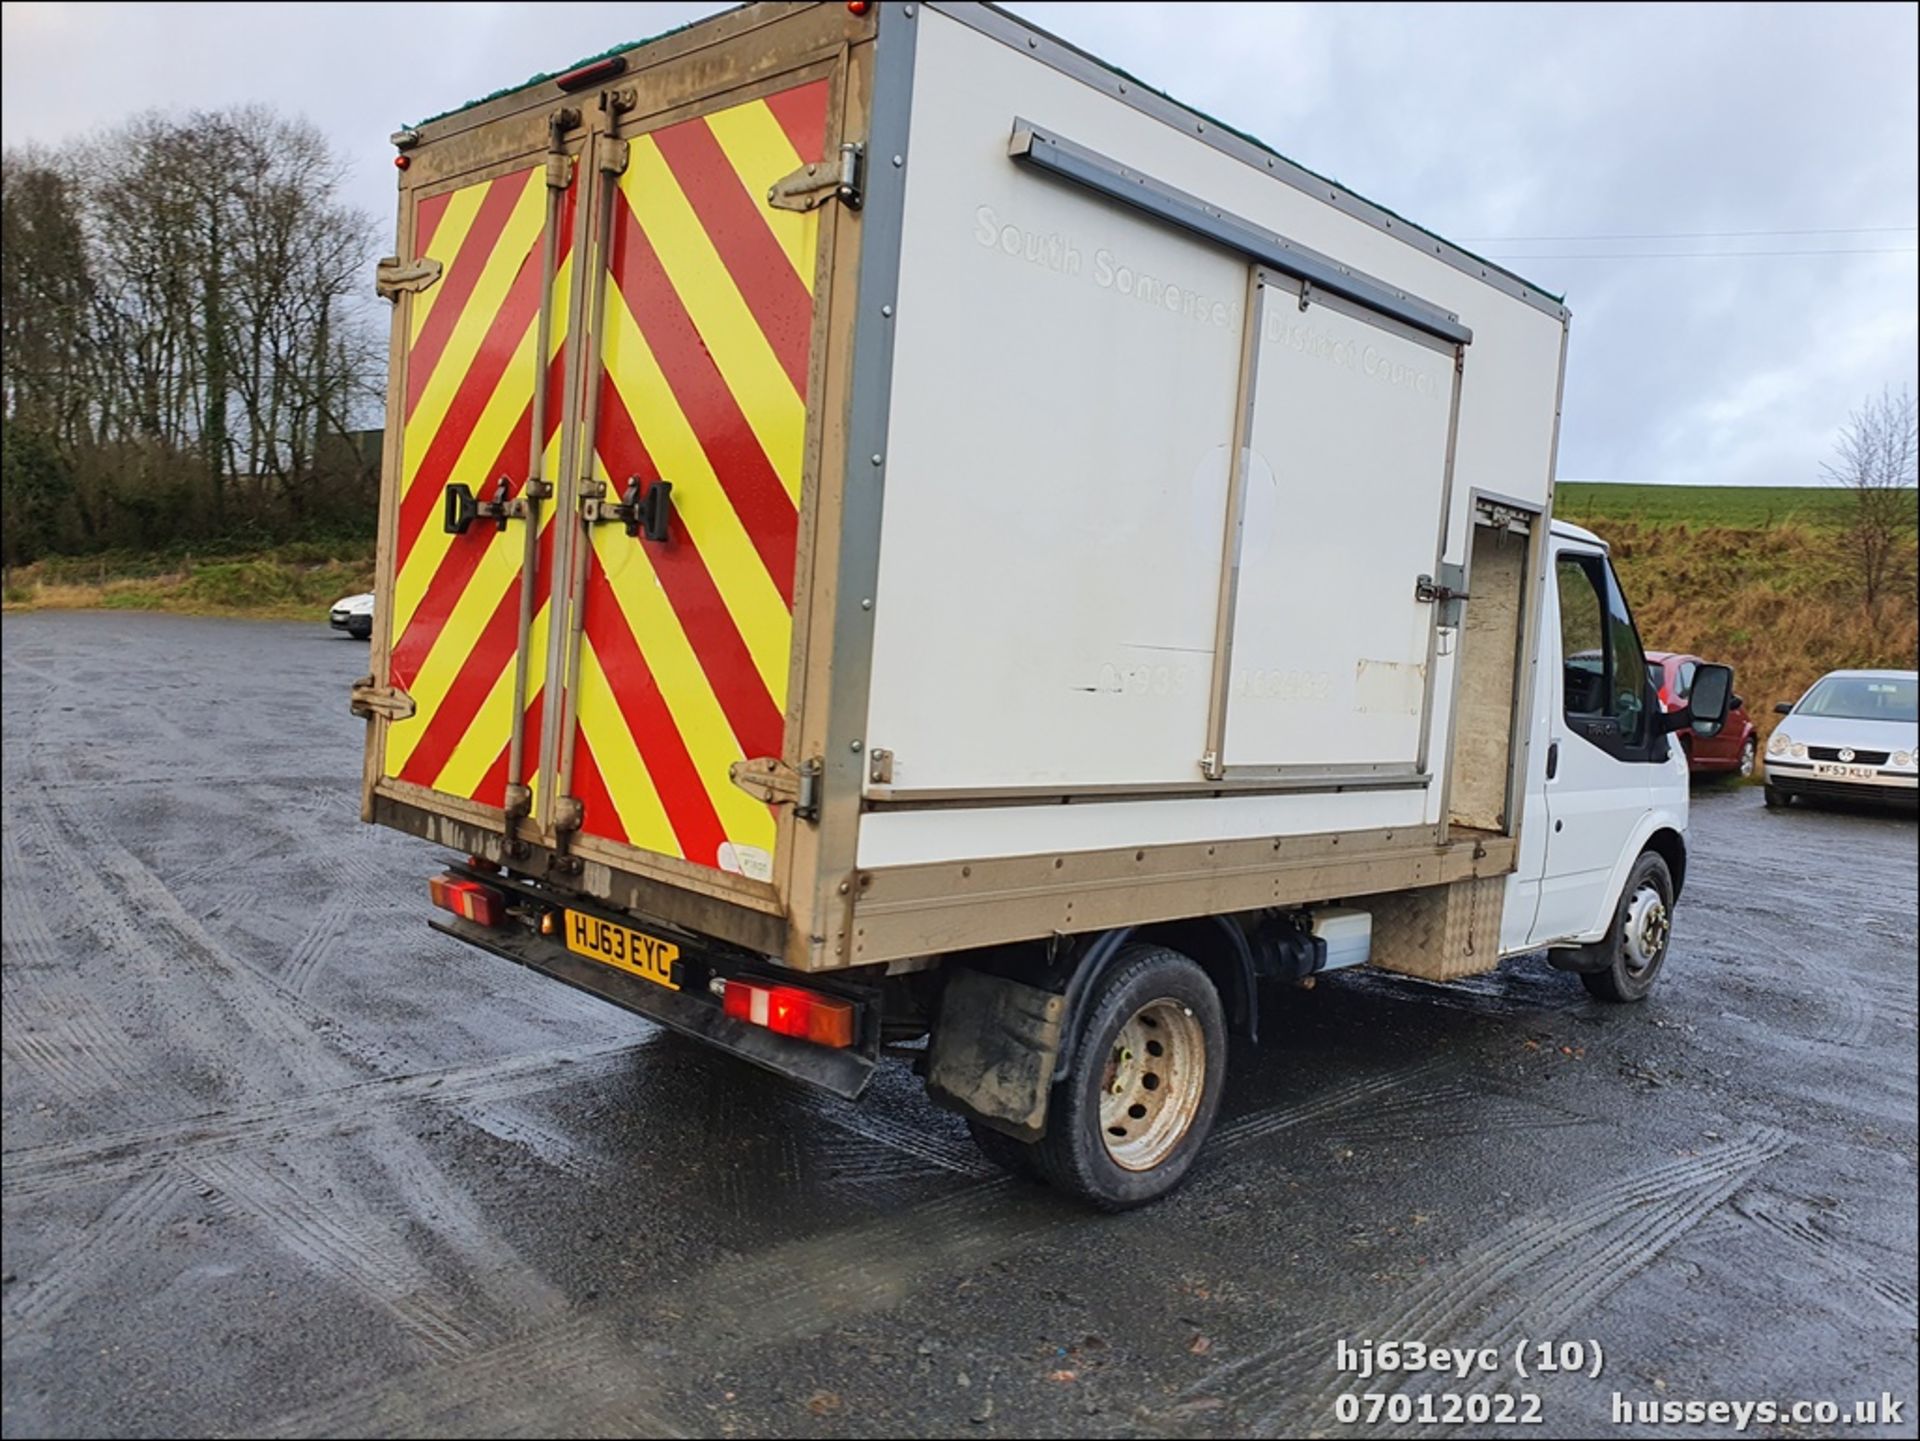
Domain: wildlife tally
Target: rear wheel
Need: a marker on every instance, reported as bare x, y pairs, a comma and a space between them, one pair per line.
1015, 1157
1636, 945
1777, 799
1124, 1126
1749, 753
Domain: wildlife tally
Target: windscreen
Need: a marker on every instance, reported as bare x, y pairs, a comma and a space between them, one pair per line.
1877, 698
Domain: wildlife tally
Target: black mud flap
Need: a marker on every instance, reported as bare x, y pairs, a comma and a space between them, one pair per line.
1581, 959
993, 1051
843, 1072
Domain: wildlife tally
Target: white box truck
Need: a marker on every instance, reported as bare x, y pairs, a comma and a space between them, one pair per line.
893, 529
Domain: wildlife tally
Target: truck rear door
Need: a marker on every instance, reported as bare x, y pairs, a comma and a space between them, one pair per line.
607, 353
491, 276
699, 386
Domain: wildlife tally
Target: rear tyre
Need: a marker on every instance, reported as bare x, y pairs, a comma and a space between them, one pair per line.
1150, 1058
1636, 944
1777, 800
1749, 754
1012, 1156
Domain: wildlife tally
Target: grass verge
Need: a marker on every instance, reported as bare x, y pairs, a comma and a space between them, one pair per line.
1780, 603
289, 582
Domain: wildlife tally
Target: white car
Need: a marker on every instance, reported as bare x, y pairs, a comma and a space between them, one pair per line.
354, 615
1853, 736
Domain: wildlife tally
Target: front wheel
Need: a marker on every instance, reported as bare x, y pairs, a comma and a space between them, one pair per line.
1137, 1104
1749, 754
1777, 800
1636, 944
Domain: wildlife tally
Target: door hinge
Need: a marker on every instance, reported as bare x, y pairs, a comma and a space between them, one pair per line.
390, 277
812, 186
772, 780
369, 699
880, 767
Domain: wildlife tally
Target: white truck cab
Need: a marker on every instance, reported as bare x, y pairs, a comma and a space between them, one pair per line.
1603, 838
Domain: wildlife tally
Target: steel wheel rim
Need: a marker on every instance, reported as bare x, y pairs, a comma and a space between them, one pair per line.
1648, 924
1152, 1084
1748, 753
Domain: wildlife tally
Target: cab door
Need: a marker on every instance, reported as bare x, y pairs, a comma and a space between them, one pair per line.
1605, 744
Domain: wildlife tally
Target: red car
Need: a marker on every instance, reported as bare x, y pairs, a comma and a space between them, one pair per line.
1738, 744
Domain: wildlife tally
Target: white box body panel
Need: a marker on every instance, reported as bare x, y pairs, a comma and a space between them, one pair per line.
906, 837
1056, 485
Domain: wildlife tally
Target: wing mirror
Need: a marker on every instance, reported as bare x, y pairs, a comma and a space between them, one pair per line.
1707, 705
1783, 707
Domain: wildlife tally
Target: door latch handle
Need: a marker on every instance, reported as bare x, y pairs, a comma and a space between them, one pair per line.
1429, 591
1553, 759
643, 509
462, 508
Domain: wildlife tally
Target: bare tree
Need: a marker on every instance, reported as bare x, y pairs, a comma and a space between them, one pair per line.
190, 341
1874, 459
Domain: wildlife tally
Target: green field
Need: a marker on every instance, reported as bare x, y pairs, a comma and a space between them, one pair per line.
1741, 506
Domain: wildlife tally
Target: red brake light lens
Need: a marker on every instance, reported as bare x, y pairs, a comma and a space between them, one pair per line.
468, 899
592, 74
790, 1011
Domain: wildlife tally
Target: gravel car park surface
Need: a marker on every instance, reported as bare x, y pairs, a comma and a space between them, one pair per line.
279, 1159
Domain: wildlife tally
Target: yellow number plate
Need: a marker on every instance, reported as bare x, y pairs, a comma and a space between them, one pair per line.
622, 948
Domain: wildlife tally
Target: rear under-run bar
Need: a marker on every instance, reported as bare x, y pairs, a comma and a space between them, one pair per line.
825, 1040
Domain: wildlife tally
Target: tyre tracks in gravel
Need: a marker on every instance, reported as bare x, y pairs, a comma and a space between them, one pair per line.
1535, 1276
127, 1155
1852, 1007
786, 1293
1808, 1230
350, 1239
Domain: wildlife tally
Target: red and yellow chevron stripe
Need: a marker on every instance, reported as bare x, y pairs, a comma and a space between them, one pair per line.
468, 417
706, 341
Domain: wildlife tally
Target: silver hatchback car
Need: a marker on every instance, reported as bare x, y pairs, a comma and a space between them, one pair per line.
1853, 736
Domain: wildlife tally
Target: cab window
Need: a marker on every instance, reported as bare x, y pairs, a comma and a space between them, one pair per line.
1606, 691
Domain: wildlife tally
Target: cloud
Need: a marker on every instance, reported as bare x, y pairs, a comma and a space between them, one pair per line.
1481, 122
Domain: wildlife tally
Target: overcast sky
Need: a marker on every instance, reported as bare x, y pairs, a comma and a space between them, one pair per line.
1762, 158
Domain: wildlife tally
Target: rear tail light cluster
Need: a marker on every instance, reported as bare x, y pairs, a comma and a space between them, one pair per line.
468, 899
790, 1011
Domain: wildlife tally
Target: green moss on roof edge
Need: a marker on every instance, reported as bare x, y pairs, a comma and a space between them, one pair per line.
547, 75
1255, 141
